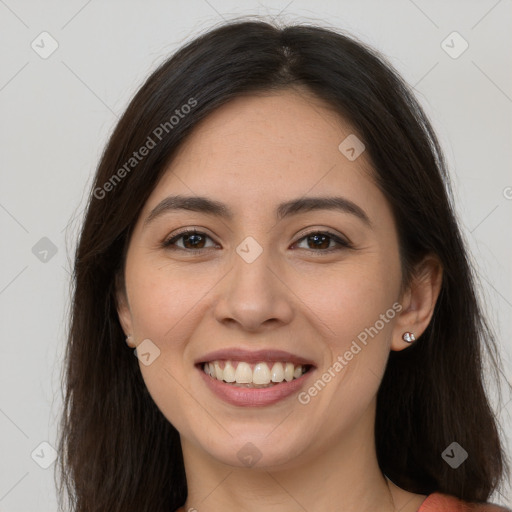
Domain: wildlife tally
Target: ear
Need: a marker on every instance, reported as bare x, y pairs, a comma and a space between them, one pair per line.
123, 308
418, 301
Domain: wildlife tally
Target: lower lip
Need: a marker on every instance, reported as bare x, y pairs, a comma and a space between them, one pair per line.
254, 397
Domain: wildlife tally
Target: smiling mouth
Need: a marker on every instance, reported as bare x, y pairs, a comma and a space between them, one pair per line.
259, 375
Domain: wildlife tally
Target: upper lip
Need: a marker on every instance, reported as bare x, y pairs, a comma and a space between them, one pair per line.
254, 356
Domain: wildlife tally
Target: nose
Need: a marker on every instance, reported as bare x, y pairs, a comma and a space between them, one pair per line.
254, 296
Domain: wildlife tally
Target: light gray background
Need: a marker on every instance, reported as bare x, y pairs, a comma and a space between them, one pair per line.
56, 114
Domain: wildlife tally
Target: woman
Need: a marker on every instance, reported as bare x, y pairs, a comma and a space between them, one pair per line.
271, 233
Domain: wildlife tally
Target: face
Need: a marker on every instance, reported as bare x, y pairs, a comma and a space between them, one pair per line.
311, 285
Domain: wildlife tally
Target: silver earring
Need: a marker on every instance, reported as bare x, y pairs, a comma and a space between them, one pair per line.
408, 337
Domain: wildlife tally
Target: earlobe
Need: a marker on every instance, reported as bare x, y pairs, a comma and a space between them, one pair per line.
418, 303
123, 311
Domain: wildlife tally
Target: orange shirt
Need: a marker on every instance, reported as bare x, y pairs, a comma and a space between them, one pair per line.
437, 502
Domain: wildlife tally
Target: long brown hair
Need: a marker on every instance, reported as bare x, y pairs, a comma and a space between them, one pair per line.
117, 451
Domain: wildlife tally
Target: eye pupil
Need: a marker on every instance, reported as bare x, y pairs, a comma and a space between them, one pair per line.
321, 243
191, 238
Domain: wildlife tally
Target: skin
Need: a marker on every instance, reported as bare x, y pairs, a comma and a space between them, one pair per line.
252, 154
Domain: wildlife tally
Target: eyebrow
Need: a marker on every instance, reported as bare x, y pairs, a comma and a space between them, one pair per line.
294, 207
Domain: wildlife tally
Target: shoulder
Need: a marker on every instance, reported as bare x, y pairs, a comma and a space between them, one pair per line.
438, 502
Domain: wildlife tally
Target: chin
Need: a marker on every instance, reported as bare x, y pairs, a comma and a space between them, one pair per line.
254, 448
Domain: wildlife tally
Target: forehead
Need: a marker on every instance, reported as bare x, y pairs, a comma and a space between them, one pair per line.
268, 147
286, 126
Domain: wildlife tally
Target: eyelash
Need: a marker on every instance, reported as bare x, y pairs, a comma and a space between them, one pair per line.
342, 244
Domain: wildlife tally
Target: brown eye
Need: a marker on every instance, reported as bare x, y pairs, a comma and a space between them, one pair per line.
322, 241
192, 240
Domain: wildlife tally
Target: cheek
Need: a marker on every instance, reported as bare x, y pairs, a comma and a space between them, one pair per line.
351, 297
163, 299
353, 307
166, 308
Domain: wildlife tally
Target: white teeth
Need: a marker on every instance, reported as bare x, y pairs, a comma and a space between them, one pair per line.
288, 372
277, 372
261, 375
218, 370
243, 374
229, 372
